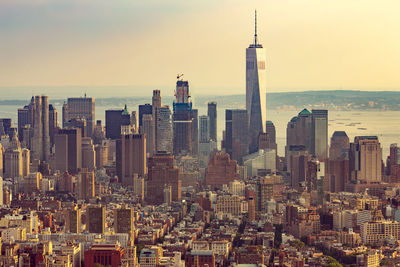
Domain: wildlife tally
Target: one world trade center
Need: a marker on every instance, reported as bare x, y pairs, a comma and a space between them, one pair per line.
255, 90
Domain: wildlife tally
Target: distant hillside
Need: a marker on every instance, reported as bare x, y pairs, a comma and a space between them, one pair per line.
332, 100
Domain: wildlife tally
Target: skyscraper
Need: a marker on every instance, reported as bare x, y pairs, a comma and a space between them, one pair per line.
41, 137
164, 130
319, 144
147, 129
156, 105
53, 123
80, 107
255, 90
204, 129
144, 109
338, 163
96, 219
116, 120
162, 171
183, 119
365, 160
212, 115
236, 133
69, 150
131, 157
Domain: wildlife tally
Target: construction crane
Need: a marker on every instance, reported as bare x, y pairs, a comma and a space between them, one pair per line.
179, 76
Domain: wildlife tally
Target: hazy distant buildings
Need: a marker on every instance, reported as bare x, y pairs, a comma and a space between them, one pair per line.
80, 108
212, 115
255, 90
236, 133
394, 163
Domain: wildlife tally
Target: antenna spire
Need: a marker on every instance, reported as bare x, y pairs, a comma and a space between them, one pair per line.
255, 27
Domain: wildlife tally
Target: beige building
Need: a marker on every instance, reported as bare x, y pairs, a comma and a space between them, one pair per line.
228, 204
88, 154
375, 233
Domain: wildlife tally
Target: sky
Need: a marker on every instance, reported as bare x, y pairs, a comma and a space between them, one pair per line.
130, 47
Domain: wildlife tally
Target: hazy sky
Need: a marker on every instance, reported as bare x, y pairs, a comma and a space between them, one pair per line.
310, 44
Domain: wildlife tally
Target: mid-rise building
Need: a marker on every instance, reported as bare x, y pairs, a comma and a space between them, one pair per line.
221, 170
96, 219
80, 108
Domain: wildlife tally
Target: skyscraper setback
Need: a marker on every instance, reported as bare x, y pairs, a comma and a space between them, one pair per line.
255, 90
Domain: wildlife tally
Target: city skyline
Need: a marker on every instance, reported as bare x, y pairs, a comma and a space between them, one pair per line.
116, 44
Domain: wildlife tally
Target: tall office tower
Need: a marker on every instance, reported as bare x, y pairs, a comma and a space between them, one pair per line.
236, 133
195, 131
162, 171
53, 123
1, 191
6, 126
41, 137
255, 90
270, 129
80, 107
298, 158
299, 132
116, 122
131, 157
73, 220
144, 109
134, 122
156, 105
319, 145
68, 146
77, 123
147, 129
101, 154
394, 164
23, 120
88, 154
265, 192
86, 183
99, 133
13, 159
96, 219
124, 222
337, 167
204, 129
184, 121
212, 115
221, 170
165, 134
26, 160
365, 160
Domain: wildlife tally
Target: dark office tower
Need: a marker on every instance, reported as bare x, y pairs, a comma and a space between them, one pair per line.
68, 146
165, 134
183, 120
124, 222
23, 119
297, 165
255, 90
41, 137
319, 144
204, 129
73, 220
337, 168
78, 123
236, 133
183, 129
339, 145
156, 105
195, 131
96, 219
53, 122
131, 157
394, 164
5, 126
78, 108
116, 121
365, 158
270, 129
162, 172
299, 132
212, 115
144, 109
